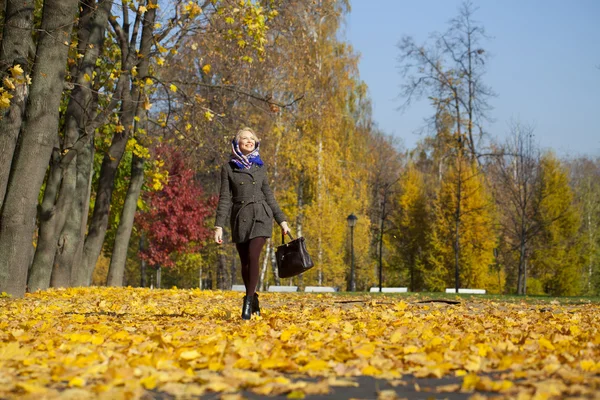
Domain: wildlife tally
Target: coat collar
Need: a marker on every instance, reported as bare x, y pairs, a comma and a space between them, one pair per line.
251, 171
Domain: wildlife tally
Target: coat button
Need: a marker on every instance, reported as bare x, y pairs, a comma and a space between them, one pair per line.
254, 183
244, 219
243, 201
241, 183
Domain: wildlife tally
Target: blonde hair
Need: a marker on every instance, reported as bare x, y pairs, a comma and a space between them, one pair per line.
246, 129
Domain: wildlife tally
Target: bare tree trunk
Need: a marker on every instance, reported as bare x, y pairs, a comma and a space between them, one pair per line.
457, 217
61, 273
525, 278
17, 224
521, 272
39, 277
200, 278
382, 222
299, 222
274, 267
58, 207
16, 44
99, 222
221, 268
158, 277
119, 255
591, 241
519, 194
143, 264
412, 273
300, 216
116, 270
110, 163
263, 271
75, 228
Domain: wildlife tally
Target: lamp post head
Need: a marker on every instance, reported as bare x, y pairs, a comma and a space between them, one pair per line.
351, 220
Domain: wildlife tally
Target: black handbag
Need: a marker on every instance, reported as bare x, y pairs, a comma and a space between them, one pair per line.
292, 257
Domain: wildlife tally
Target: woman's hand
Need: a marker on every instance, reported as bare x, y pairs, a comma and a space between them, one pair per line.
218, 234
285, 228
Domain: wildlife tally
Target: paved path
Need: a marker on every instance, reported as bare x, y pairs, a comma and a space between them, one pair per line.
369, 388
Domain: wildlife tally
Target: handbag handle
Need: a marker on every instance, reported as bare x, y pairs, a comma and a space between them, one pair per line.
283, 237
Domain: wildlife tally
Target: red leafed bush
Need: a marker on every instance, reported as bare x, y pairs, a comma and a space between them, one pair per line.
175, 221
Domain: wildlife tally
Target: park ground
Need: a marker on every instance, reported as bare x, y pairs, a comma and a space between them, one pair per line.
133, 343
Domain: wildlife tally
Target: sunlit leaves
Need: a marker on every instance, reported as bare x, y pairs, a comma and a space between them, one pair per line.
16, 71
208, 115
191, 9
5, 98
10, 83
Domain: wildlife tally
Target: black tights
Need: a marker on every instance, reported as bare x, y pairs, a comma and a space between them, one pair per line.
249, 254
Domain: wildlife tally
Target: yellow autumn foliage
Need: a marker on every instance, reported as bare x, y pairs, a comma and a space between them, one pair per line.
463, 192
120, 342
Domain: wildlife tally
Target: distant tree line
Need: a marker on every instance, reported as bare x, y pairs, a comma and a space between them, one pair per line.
116, 119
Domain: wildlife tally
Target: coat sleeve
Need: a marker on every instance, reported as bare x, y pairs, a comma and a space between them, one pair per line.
270, 198
224, 206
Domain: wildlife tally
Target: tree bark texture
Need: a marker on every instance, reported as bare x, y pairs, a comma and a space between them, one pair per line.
70, 250
274, 267
143, 264
16, 44
99, 222
116, 270
56, 209
35, 143
39, 277
61, 273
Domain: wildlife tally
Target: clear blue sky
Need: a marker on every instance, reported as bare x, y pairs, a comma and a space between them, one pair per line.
545, 65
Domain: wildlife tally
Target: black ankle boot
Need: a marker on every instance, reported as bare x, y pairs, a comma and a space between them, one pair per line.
247, 308
256, 305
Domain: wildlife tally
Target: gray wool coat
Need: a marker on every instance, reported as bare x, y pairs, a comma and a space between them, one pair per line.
246, 197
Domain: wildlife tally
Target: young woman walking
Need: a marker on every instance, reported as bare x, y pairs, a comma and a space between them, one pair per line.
245, 195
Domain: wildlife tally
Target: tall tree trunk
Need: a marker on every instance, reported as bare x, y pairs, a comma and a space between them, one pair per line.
17, 224
274, 267
521, 271
91, 31
263, 271
61, 273
116, 270
457, 217
299, 219
522, 241
76, 226
382, 222
129, 109
119, 255
320, 205
143, 263
200, 277
39, 277
16, 44
412, 272
221, 268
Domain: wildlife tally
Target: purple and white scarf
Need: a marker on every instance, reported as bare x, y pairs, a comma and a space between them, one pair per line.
242, 161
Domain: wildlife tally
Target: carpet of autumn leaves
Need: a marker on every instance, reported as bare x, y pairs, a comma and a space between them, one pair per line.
131, 343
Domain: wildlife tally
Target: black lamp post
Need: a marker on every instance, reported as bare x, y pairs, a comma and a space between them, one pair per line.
351, 222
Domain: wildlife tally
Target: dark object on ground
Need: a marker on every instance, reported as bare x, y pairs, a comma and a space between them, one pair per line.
369, 387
